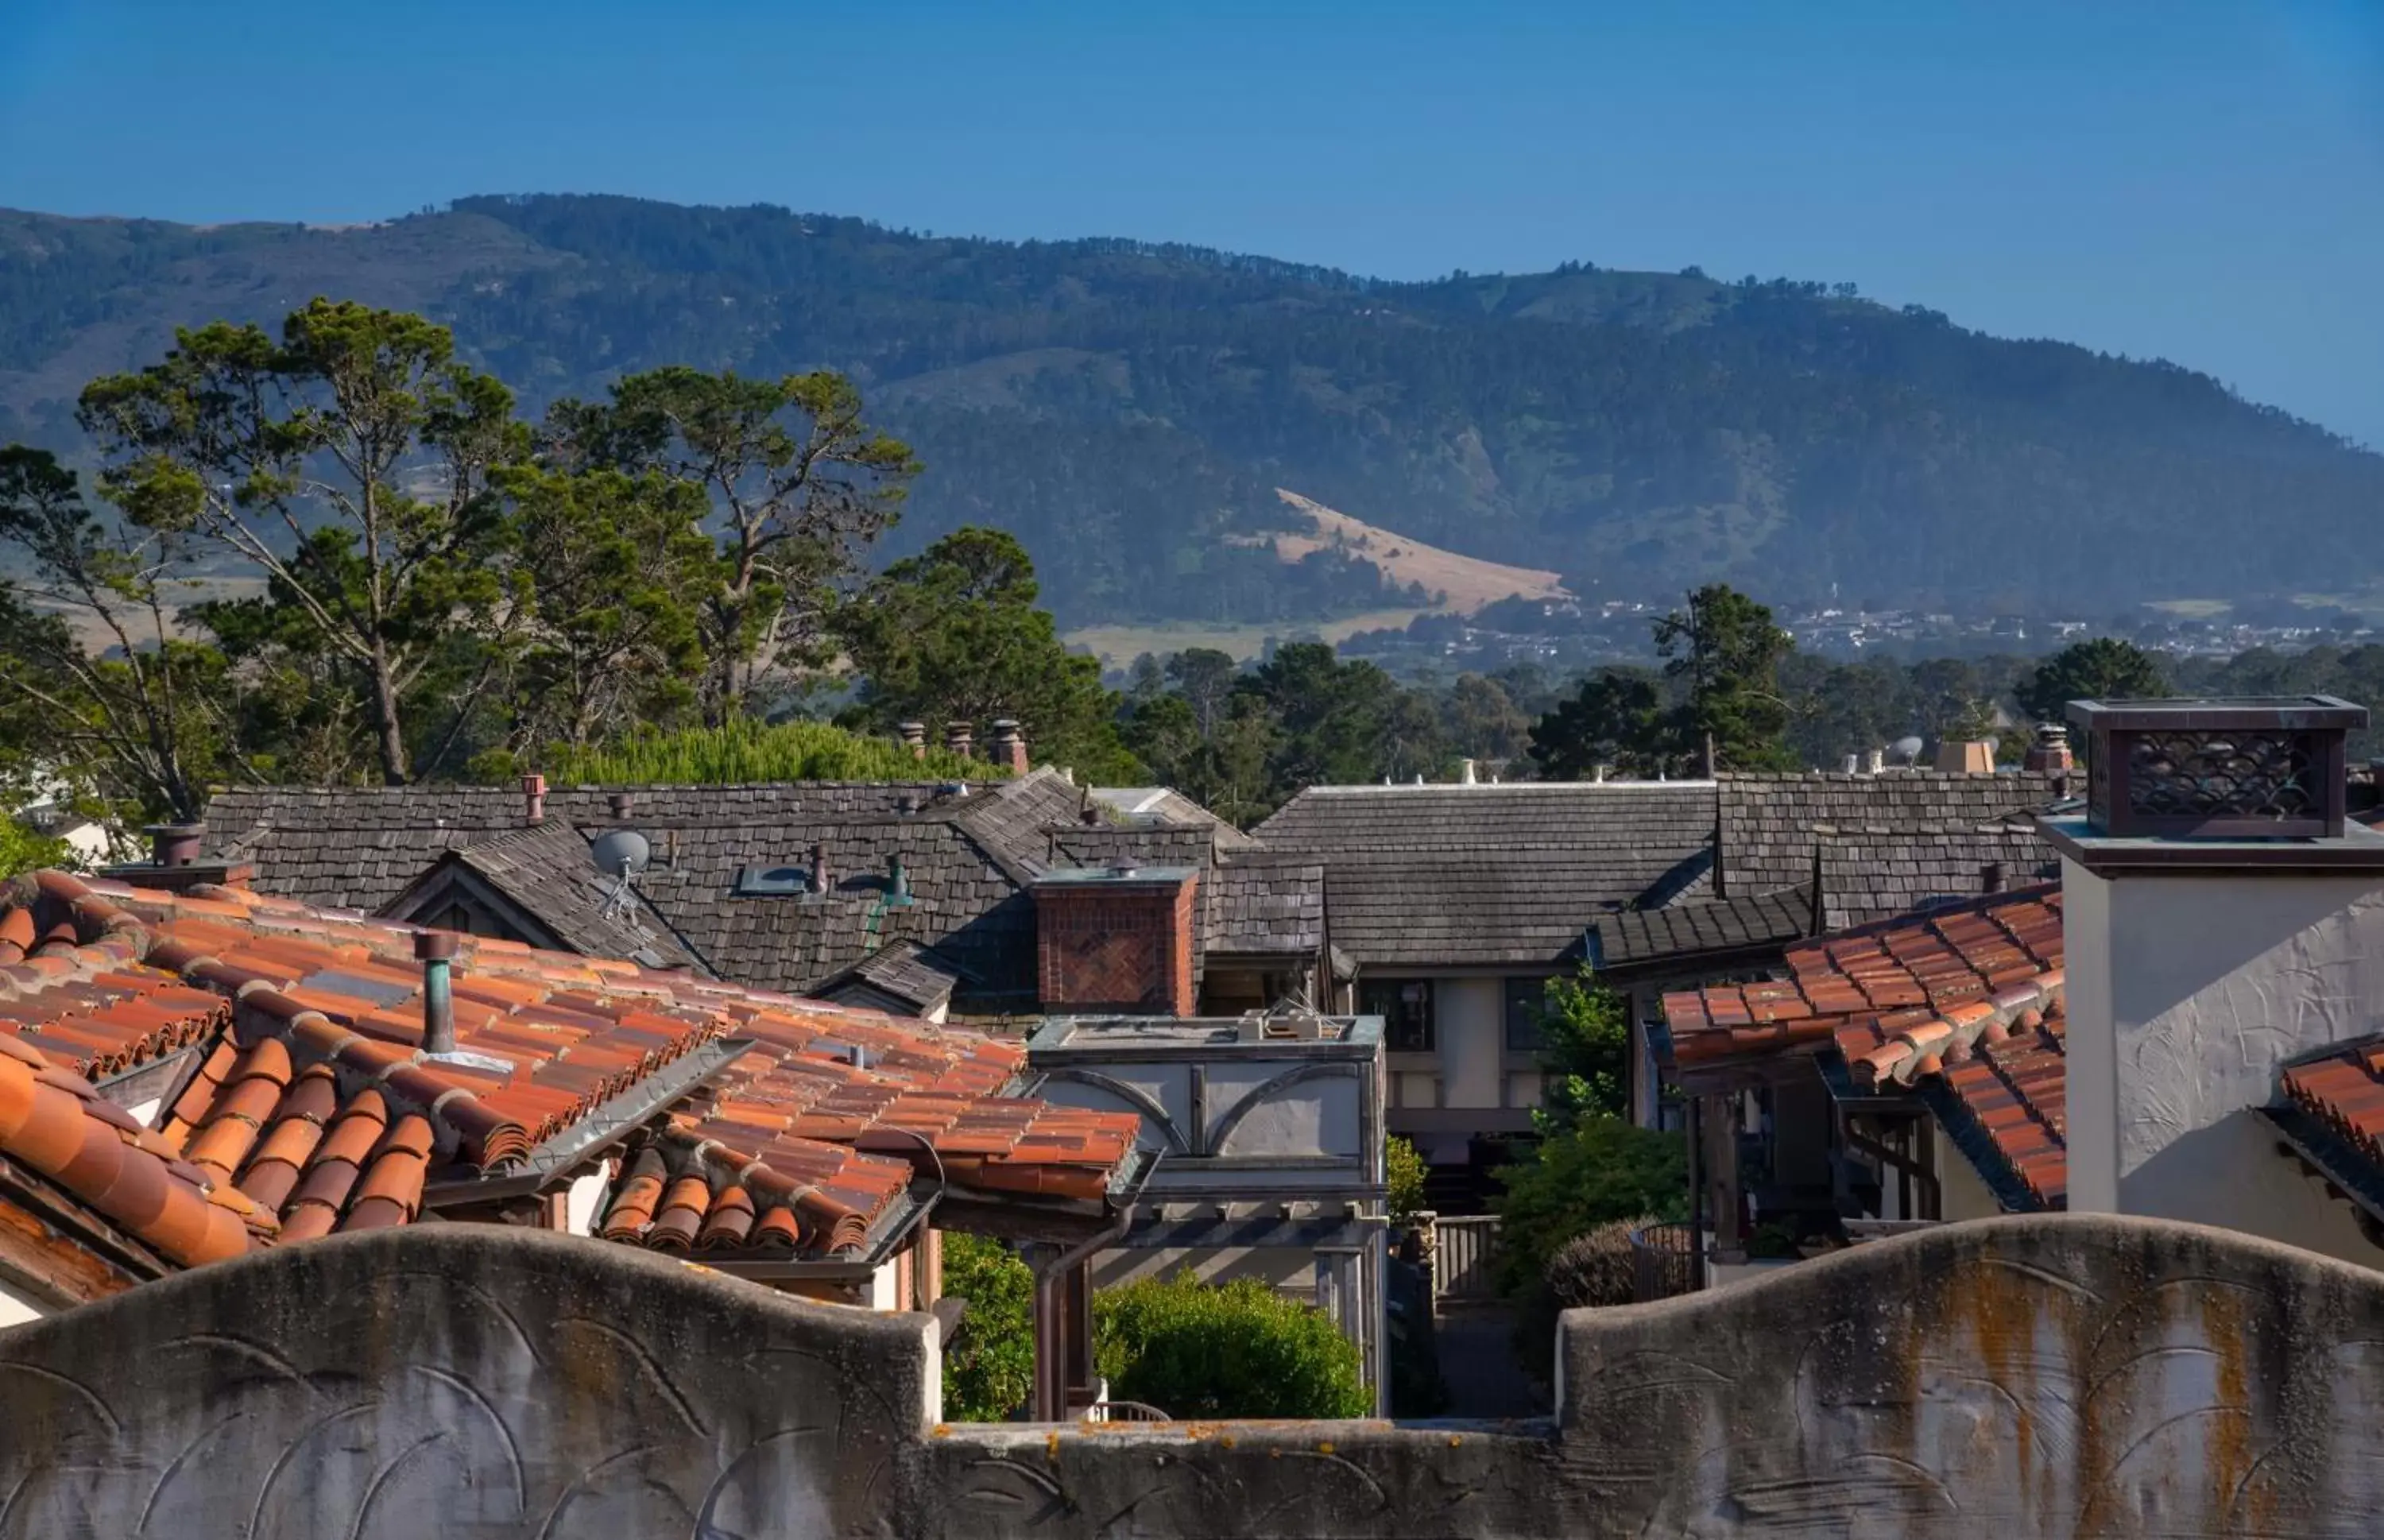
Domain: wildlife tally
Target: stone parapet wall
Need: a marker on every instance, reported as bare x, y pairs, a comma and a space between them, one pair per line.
2050, 1375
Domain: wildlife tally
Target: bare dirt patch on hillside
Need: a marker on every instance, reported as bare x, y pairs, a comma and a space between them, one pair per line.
1469, 582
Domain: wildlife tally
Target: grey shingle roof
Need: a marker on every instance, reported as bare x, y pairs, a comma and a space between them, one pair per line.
1481, 874
1265, 903
904, 973
1890, 842
545, 871
1165, 805
966, 858
1702, 929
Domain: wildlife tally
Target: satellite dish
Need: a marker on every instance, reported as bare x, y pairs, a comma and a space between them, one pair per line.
1905, 751
620, 852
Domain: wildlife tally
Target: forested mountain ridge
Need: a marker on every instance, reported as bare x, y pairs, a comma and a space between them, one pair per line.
1125, 408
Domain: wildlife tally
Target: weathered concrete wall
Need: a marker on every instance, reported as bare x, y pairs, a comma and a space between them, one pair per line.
456, 1380
2060, 1375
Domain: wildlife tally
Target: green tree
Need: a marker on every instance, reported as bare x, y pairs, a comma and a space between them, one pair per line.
2102, 669
350, 463
1615, 719
1584, 1052
98, 686
1405, 1169
799, 484
989, 1365
1330, 716
1726, 650
954, 633
1235, 1349
21, 849
619, 568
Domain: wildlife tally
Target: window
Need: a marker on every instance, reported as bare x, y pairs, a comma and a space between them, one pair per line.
1524, 1002
1404, 1005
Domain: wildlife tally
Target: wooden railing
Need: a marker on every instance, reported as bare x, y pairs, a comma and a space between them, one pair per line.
1463, 1248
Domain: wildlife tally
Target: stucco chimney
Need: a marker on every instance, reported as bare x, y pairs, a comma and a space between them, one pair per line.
960, 737
1010, 745
435, 948
2222, 920
533, 798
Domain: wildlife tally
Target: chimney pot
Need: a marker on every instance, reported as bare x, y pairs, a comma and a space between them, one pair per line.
621, 802
2051, 749
819, 868
173, 845
1854, 762
1009, 746
914, 738
1875, 762
1466, 775
533, 798
435, 950
1991, 878
960, 737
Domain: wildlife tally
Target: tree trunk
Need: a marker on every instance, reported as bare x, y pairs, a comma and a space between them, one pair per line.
391, 729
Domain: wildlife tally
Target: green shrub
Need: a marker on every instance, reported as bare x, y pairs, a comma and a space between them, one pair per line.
1601, 1170
1405, 1170
1235, 1349
745, 751
1595, 1268
990, 1369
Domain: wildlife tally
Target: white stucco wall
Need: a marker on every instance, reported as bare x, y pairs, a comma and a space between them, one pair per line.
17, 1307
1470, 1019
1960, 1193
2185, 995
580, 1202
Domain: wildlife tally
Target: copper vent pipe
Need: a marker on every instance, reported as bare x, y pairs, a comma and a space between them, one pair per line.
435, 950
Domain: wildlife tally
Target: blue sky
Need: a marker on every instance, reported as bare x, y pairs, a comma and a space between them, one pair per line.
2201, 180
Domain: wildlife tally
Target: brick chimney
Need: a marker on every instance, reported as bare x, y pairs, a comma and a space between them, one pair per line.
960, 738
173, 845
1009, 746
1117, 940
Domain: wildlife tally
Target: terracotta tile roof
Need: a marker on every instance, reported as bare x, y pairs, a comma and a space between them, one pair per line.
312, 1109
1890, 996
52, 1122
1963, 1002
913, 1084
2009, 1108
2344, 1090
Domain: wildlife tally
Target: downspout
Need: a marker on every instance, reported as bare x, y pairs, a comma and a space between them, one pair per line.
1051, 1294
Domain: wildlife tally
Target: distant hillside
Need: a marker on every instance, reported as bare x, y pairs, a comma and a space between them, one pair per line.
1130, 409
